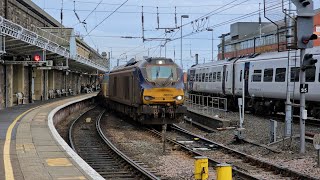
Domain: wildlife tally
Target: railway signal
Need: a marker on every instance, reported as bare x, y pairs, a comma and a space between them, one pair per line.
304, 34
308, 62
37, 56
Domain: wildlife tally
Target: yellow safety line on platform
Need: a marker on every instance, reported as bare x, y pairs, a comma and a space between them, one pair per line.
6, 149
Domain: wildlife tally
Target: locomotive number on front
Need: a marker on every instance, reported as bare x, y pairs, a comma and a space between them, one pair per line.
168, 95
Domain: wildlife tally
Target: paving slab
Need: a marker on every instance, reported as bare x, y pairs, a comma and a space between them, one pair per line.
35, 153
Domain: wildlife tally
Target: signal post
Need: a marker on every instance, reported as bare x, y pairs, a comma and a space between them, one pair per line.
304, 34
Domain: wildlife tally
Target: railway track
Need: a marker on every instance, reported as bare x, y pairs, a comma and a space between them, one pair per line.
244, 166
87, 139
296, 119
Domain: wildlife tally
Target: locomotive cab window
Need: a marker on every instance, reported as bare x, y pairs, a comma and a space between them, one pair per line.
280, 75
268, 75
161, 72
311, 74
256, 77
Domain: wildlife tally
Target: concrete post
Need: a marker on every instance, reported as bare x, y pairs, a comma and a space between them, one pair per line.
8, 85
45, 85
38, 84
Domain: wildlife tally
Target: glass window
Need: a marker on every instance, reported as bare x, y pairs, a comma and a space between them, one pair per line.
227, 77
214, 77
210, 77
311, 74
218, 76
207, 77
256, 77
240, 76
161, 72
280, 75
203, 76
295, 74
268, 75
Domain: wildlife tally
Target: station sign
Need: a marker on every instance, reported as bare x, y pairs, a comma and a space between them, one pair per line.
304, 88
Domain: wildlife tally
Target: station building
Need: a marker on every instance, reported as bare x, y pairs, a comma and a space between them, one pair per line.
245, 38
40, 58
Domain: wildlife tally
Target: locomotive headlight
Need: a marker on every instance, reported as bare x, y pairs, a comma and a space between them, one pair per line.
148, 98
179, 98
160, 62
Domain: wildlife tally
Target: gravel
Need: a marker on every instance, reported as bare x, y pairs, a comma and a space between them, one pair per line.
141, 146
257, 130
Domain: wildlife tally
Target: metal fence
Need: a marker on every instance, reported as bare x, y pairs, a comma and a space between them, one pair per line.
207, 105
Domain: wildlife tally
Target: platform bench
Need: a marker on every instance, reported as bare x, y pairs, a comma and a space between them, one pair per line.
51, 94
20, 98
58, 93
70, 91
64, 92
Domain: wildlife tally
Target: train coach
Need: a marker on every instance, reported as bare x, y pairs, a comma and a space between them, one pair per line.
150, 90
265, 81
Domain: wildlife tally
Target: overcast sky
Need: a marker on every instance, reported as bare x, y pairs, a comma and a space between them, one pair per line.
105, 33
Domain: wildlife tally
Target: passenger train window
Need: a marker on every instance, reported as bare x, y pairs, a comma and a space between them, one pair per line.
280, 75
218, 76
202, 79
214, 77
268, 75
256, 77
207, 77
295, 74
311, 74
210, 77
240, 76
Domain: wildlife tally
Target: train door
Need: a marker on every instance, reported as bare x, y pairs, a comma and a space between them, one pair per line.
224, 79
246, 78
190, 79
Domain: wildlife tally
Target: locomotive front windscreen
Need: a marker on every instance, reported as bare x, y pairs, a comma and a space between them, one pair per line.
161, 72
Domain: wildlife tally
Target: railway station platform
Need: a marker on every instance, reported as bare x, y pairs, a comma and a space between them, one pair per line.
31, 148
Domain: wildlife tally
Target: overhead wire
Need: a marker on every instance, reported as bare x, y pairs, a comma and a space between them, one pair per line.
167, 7
92, 11
230, 21
107, 17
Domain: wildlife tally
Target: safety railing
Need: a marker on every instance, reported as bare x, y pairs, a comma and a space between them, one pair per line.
207, 105
44, 40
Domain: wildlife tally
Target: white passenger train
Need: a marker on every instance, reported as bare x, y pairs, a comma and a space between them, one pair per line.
265, 81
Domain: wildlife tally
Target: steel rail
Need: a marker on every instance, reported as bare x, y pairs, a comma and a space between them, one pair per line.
237, 171
122, 155
264, 164
71, 128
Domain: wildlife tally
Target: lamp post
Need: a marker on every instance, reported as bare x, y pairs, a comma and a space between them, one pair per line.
210, 29
182, 16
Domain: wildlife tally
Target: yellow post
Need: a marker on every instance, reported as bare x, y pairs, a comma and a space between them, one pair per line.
224, 171
201, 171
